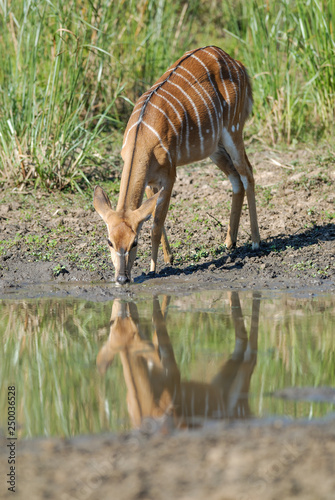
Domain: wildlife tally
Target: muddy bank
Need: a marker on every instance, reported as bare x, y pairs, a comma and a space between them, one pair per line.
241, 461
52, 239
174, 285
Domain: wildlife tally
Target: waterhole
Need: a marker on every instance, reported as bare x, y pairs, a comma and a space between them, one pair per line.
81, 367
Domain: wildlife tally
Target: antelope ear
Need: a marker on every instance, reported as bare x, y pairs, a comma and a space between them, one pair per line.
101, 202
144, 212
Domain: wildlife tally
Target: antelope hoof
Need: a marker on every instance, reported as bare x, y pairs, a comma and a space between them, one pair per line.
230, 245
169, 259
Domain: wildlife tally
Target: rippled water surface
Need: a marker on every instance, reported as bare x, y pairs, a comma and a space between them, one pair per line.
82, 367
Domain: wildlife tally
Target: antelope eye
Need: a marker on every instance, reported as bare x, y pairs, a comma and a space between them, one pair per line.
110, 243
134, 245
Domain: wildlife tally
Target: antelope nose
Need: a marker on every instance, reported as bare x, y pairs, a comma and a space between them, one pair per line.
122, 279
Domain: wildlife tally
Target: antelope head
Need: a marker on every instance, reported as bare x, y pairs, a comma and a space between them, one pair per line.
123, 229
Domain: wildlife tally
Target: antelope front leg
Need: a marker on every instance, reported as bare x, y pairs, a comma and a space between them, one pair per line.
235, 213
164, 240
157, 231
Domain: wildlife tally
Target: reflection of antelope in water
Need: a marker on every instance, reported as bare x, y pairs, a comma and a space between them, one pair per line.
153, 378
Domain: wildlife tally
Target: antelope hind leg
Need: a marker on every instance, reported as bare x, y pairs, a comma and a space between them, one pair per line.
223, 161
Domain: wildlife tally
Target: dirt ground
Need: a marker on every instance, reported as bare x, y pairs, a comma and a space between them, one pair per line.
58, 239
55, 244
233, 461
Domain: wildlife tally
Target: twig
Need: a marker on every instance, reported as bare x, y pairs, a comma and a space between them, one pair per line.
218, 222
278, 164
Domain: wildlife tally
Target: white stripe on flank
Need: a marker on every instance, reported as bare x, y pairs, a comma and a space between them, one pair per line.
185, 115
180, 135
205, 103
196, 113
126, 138
159, 138
166, 116
209, 97
209, 77
227, 98
171, 70
170, 104
224, 58
170, 123
135, 112
145, 96
139, 103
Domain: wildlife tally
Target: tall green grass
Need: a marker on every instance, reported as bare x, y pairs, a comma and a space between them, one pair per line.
289, 48
69, 72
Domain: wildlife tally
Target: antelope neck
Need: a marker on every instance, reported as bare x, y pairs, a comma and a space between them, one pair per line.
133, 183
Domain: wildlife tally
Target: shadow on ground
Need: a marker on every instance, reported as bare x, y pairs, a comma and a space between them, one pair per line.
273, 248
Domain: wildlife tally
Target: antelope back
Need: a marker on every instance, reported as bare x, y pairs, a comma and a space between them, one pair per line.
185, 111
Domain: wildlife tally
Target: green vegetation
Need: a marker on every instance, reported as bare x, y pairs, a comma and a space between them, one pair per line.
58, 269
304, 265
70, 72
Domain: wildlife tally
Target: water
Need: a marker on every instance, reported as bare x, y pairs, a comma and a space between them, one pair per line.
82, 367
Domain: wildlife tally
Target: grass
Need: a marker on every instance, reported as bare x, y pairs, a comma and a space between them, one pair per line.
71, 71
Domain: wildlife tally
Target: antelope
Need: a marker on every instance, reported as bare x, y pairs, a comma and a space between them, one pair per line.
197, 109
155, 389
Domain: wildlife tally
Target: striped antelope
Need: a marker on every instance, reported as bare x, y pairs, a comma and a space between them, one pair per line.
197, 109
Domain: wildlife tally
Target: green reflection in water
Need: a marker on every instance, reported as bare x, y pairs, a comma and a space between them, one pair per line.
49, 351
